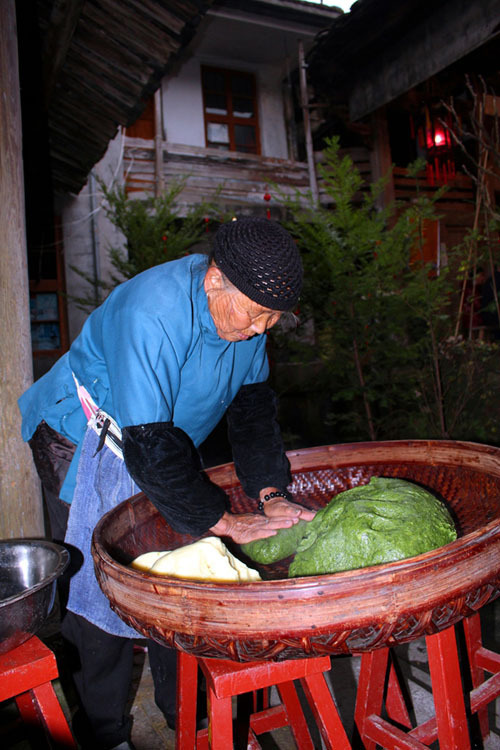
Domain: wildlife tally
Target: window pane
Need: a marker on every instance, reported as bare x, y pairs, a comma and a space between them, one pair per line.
242, 107
45, 336
213, 80
241, 84
215, 104
244, 137
44, 306
217, 133
229, 97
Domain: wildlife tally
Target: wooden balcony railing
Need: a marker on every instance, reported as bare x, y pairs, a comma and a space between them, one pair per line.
238, 179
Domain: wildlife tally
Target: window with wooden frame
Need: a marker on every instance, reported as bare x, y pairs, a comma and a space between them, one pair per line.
49, 325
230, 109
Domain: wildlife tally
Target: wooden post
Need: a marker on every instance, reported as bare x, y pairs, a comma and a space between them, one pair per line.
159, 181
21, 512
290, 124
380, 156
307, 124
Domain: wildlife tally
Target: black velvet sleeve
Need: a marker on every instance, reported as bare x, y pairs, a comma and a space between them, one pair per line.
163, 461
258, 452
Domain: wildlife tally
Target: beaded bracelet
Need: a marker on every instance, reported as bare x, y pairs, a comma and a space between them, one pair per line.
267, 497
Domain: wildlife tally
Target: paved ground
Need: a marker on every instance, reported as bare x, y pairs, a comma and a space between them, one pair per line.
151, 733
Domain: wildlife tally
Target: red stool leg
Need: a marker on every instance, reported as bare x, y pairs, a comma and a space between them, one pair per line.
325, 712
370, 693
394, 701
187, 683
476, 652
295, 715
447, 690
30, 719
449, 725
220, 721
40, 705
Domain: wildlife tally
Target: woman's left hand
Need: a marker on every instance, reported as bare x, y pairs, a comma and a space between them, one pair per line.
280, 506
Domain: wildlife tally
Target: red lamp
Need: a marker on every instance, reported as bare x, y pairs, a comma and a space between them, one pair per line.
434, 137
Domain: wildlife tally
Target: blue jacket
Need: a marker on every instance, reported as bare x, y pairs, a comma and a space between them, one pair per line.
150, 353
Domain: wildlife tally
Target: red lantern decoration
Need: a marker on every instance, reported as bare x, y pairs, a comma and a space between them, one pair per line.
434, 138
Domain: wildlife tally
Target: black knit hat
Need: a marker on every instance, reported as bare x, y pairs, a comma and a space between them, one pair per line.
261, 259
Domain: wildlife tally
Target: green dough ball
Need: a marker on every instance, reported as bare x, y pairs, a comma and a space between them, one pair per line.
385, 520
274, 548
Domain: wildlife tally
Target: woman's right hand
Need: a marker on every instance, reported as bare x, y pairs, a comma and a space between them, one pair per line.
246, 527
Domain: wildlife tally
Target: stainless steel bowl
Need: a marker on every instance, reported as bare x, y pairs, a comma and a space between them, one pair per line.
29, 569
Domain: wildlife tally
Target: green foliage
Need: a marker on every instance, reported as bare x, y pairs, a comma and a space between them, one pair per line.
383, 319
153, 233
470, 378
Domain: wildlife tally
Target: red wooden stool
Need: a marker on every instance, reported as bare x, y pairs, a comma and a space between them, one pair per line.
226, 679
449, 724
25, 674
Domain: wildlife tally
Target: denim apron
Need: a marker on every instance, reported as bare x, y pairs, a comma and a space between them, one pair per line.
102, 483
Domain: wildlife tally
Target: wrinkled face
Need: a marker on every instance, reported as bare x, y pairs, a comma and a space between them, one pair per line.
236, 317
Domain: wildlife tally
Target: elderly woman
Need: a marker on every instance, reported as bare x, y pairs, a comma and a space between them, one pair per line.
153, 371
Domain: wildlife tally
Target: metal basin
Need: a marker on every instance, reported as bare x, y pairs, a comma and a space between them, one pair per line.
29, 569
349, 612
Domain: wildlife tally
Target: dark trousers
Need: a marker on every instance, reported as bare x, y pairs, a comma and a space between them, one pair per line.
101, 666
100, 663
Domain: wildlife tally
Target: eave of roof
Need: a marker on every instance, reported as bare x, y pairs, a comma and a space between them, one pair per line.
102, 60
383, 48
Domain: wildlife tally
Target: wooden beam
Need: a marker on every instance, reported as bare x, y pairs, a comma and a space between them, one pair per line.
455, 29
63, 20
20, 499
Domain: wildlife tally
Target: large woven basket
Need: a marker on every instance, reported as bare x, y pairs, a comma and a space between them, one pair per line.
349, 612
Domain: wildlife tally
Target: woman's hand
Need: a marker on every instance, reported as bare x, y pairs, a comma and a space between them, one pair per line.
283, 508
246, 527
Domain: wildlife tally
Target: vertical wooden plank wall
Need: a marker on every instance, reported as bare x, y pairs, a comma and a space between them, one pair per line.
20, 499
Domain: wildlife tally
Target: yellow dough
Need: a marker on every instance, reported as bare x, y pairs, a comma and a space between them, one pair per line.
147, 560
207, 560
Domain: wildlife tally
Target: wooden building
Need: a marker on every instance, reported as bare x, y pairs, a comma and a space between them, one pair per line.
417, 79
226, 118
222, 117
212, 90
141, 94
